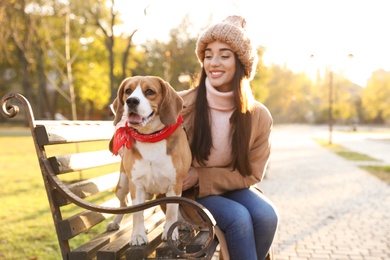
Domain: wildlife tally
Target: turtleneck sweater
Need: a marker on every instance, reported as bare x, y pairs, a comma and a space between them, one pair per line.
221, 107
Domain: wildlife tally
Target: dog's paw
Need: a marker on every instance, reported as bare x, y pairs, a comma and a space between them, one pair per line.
175, 234
137, 240
113, 226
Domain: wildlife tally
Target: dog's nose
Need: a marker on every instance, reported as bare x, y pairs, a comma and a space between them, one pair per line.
132, 102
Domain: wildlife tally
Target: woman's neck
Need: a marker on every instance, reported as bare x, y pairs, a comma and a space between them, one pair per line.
223, 101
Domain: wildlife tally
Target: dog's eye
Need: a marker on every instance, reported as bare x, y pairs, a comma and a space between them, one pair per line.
149, 92
128, 91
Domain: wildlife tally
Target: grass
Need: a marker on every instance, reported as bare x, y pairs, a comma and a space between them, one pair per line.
27, 227
27, 230
381, 172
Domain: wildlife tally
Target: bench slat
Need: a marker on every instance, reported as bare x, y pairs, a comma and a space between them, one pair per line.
73, 132
115, 249
74, 122
142, 252
83, 221
118, 248
82, 161
90, 248
89, 187
93, 186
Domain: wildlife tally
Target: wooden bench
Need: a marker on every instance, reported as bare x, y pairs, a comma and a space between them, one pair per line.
81, 204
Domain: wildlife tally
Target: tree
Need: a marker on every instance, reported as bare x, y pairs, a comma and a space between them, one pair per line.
18, 24
48, 59
290, 96
106, 20
261, 79
175, 60
347, 96
376, 97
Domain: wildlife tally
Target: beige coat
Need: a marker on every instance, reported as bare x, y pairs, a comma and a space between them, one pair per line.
217, 180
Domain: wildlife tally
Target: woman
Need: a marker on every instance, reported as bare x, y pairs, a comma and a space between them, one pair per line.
229, 135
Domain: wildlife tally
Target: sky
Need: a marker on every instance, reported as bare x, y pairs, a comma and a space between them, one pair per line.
303, 35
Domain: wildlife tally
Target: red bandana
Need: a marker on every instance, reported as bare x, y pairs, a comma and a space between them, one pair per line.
124, 135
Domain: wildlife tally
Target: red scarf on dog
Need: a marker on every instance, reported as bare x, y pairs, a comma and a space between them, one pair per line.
124, 135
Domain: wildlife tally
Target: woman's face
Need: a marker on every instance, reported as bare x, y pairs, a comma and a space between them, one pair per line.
220, 65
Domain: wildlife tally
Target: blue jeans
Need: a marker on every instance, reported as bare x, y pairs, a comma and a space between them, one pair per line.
248, 219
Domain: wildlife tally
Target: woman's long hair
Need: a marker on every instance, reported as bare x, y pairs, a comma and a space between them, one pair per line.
241, 123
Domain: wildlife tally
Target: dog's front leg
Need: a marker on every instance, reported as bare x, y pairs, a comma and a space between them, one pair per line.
138, 237
122, 191
171, 217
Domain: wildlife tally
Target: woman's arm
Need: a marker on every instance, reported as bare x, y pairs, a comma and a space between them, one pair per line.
217, 180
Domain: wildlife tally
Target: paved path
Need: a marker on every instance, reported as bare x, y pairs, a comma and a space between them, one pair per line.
373, 142
329, 208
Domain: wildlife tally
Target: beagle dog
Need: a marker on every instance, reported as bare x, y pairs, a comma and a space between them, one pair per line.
154, 148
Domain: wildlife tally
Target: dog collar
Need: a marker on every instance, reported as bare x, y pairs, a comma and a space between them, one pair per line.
124, 135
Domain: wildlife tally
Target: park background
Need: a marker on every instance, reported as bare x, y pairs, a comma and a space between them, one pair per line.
69, 57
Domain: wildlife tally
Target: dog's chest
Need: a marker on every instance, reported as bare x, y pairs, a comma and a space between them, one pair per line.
155, 171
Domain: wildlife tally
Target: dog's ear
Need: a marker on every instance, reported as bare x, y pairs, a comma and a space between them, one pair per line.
171, 104
111, 145
118, 103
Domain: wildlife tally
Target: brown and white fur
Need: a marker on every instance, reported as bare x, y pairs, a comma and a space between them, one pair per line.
148, 104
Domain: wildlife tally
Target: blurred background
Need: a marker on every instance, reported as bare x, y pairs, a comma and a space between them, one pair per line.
319, 60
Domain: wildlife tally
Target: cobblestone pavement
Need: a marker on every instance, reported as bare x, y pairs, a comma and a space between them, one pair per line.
329, 208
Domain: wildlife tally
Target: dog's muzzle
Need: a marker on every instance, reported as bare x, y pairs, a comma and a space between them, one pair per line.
133, 117
132, 103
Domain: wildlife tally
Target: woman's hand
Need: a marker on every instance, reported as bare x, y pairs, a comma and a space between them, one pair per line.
191, 179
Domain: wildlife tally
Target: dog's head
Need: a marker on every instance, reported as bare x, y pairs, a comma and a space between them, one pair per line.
146, 102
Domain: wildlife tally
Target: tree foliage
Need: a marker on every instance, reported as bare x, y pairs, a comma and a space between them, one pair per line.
34, 48
175, 60
376, 97
347, 98
291, 95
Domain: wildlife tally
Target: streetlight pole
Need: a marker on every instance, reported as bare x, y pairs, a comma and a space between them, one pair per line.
329, 72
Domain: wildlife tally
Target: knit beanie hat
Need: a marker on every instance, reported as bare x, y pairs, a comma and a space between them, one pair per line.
232, 31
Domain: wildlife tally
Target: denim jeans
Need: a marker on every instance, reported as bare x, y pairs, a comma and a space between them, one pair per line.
248, 219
